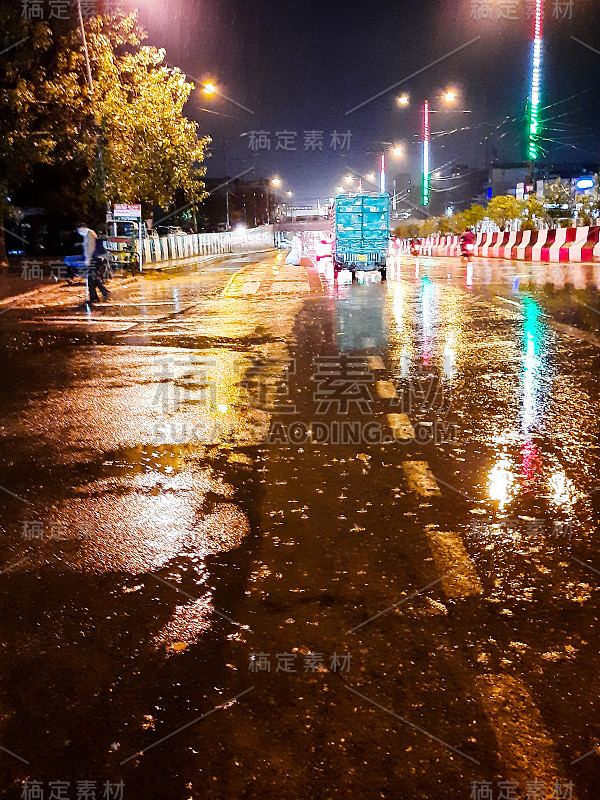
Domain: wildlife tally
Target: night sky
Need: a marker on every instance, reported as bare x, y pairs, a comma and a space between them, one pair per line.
301, 65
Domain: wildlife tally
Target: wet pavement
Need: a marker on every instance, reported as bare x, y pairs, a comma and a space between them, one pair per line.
269, 534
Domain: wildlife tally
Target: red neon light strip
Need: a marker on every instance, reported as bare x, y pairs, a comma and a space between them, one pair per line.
539, 19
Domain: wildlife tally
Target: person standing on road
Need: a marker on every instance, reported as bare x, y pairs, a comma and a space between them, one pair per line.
91, 249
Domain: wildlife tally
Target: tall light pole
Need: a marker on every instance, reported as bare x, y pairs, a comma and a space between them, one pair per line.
536, 80
396, 150
426, 154
449, 96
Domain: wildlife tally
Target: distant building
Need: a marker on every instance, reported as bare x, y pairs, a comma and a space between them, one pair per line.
514, 177
236, 202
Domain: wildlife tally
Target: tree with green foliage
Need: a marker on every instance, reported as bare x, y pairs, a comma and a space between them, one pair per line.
473, 216
587, 209
429, 226
588, 205
29, 122
531, 212
503, 210
132, 116
559, 193
406, 231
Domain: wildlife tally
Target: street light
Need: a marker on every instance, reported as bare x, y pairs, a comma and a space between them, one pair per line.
210, 89
275, 181
349, 178
396, 151
403, 100
339, 189
449, 96
290, 194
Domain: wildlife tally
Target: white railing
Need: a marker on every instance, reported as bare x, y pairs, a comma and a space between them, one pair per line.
176, 247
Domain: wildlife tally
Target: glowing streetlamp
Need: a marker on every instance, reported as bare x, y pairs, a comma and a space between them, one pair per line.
290, 194
403, 100
349, 178
275, 182
340, 189
450, 96
210, 89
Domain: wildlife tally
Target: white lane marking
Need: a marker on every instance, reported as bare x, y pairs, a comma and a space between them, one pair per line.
506, 300
250, 274
524, 746
385, 389
450, 556
420, 478
376, 363
401, 427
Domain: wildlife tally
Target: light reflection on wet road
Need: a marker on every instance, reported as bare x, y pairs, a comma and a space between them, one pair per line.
159, 550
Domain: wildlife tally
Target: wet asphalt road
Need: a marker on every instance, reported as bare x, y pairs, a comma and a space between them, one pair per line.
264, 534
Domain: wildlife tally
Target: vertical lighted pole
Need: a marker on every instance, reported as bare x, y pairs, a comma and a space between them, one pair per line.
536, 80
382, 173
426, 153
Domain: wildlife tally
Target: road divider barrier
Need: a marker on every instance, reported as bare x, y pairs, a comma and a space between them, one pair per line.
553, 245
177, 247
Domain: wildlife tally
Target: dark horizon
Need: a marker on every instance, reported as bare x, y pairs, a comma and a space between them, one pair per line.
301, 67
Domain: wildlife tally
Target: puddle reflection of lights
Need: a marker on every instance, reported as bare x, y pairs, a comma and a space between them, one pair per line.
470, 275
451, 322
501, 483
427, 301
532, 366
562, 490
449, 358
397, 293
532, 465
401, 342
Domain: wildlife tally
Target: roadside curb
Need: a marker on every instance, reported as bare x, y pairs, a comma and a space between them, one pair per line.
41, 290
168, 266
162, 268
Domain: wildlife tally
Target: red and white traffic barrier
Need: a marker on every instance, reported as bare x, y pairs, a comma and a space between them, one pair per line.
554, 245
574, 250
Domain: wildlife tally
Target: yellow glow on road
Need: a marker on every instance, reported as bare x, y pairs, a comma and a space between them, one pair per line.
501, 482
